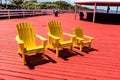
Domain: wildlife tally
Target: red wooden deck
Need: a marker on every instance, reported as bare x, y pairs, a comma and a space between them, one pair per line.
103, 63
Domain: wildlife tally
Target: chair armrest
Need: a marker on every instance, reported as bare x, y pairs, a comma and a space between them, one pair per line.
53, 40
40, 37
70, 35
79, 39
44, 40
19, 41
89, 37
53, 37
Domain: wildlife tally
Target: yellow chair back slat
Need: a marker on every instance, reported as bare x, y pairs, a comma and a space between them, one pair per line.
55, 29
26, 40
55, 37
82, 39
26, 33
78, 32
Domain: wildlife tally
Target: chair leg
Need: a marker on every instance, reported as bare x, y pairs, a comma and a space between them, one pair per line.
89, 46
23, 59
57, 52
71, 48
43, 55
81, 46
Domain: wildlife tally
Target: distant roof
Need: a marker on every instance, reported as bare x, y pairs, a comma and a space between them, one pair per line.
99, 2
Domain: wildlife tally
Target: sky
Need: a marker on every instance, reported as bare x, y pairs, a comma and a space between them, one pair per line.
72, 2
69, 1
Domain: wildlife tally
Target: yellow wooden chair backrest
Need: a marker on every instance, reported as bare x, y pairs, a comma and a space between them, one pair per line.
55, 37
78, 32
26, 34
81, 38
54, 28
26, 40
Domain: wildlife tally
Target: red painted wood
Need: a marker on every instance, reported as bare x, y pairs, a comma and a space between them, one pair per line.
103, 63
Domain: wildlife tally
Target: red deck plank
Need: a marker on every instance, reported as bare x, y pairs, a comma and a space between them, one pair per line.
100, 64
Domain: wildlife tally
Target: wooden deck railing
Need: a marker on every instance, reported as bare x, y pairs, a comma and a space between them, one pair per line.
10, 13
23, 13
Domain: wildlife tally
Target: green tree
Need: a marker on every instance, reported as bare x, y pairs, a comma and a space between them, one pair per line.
17, 3
31, 4
0, 4
48, 5
64, 5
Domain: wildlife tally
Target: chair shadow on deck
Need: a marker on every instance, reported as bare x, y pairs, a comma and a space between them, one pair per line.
87, 49
34, 60
65, 53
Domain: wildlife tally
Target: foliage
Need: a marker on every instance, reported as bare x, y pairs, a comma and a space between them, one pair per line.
63, 5
33, 4
84, 8
17, 3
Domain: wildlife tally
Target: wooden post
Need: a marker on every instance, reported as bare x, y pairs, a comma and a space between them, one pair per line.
117, 10
95, 6
9, 14
75, 10
33, 12
23, 13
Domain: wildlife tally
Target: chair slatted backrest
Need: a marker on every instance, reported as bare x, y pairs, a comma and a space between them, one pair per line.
78, 32
26, 33
55, 29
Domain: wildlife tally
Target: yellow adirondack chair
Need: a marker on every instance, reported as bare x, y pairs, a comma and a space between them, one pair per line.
26, 40
55, 37
81, 39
